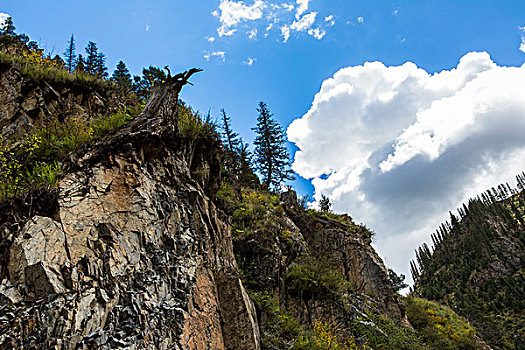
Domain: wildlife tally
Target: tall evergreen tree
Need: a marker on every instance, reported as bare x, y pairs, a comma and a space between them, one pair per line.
229, 137
69, 54
122, 78
271, 156
95, 61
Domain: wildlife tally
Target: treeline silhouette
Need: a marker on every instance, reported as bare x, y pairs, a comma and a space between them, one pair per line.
476, 264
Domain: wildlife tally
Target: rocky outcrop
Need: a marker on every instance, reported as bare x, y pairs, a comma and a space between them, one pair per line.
26, 102
349, 250
135, 255
313, 266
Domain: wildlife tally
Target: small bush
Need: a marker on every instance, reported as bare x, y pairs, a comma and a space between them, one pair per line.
312, 278
15, 164
35, 160
193, 126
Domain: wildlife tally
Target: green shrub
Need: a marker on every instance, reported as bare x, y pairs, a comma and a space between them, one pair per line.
314, 278
380, 332
34, 161
193, 126
14, 165
440, 327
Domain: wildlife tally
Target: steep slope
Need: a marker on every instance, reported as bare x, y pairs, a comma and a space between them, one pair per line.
130, 252
316, 280
477, 266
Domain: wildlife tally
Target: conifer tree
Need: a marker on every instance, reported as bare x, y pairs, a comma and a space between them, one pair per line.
122, 78
70, 55
95, 61
230, 138
80, 65
272, 159
246, 174
324, 203
8, 28
150, 76
7, 33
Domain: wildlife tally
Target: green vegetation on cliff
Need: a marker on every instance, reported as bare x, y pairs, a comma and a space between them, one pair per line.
477, 266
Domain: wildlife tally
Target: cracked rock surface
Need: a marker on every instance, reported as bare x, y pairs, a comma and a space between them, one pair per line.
130, 253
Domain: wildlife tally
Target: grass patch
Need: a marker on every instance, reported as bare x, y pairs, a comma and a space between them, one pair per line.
194, 126
440, 327
42, 68
35, 160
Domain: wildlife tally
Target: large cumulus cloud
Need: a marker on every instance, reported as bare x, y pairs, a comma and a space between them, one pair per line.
397, 147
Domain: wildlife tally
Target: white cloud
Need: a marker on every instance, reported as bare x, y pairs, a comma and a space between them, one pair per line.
360, 19
317, 33
302, 7
253, 33
304, 22
285, 32
3, 18
288, 7
210, 39
250, 61
397, 147
147, 28
330, 20
234, 12
219, 54
396, 11
235, 15
522, 45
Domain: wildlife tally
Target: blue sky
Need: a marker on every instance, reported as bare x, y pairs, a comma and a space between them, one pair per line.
250, 62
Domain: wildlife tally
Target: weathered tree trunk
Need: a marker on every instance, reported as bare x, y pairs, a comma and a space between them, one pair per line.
157, 124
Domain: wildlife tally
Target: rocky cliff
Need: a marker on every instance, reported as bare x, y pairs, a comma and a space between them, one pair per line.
133, 254
134, 249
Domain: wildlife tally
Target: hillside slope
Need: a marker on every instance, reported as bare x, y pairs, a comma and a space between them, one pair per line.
477, 266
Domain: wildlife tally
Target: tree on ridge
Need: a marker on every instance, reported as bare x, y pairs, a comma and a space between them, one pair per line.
272, 159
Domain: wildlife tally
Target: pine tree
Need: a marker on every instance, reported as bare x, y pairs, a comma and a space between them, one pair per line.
398, 281
8, 36
70, 55
272, 159
122, 78
80, 65
150, 77
95, 61
246, 174
230, 138
324, 203
8, 28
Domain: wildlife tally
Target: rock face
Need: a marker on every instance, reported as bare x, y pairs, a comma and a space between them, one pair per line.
136, 254
349, 250
24, 102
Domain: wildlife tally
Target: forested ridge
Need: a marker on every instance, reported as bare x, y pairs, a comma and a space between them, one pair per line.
476, 265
